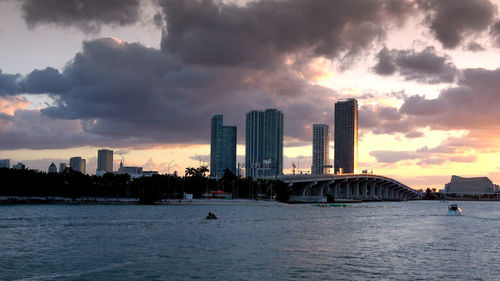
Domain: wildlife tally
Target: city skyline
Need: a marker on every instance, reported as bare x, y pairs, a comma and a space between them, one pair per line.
142, 81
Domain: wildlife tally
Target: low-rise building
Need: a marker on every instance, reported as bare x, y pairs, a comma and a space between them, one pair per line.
476, 185
19, 166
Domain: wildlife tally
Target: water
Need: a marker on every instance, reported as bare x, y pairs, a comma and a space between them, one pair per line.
390, 241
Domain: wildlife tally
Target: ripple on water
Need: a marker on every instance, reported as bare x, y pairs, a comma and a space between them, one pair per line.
386, 240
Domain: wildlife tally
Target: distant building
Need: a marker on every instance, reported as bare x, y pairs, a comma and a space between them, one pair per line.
264, 143
346, 136
63, 167
5, 163
478, 185
149, 173
104, 161
19, 166
52, 168
134, 172
222, 147
77, 164
321, 150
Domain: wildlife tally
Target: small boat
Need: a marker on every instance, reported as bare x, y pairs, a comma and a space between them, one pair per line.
454, 210
211, 216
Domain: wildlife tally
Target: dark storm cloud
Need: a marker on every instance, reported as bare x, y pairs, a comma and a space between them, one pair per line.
261, 32
495, 33
425, 66
87, 15
384, 120
474, 47
127, 94
452, 21
8, 83
47, 80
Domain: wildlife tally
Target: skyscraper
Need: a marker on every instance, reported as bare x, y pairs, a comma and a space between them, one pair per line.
222, 147
77, 164
346, 136
104, 161
321, 150
5, 163
264, 143
63, 167
52, 168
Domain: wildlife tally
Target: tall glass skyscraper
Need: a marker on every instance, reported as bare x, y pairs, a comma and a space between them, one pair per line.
346, 136
264, 143
105, 160
222, 147
321, 150
77, 164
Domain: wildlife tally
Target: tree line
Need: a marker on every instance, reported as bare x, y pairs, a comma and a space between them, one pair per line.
75, 185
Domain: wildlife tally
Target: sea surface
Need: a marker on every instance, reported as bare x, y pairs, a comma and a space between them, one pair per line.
250, 241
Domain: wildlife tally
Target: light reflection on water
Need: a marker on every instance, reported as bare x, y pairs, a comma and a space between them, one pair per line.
386, 240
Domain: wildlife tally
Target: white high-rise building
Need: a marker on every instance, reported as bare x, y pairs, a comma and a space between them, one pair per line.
321, 150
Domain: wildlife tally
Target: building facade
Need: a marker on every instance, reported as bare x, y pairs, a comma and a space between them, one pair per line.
5, 163
264, 143
77, 164
477, 185
63, 167
346, 136
52, 168
104, 161
19, 166
321, 149
222, 147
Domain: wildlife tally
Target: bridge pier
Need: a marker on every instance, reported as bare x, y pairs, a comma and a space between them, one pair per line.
349, 186
372, 191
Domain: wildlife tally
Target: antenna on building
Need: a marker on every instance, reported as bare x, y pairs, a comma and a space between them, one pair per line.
123, 157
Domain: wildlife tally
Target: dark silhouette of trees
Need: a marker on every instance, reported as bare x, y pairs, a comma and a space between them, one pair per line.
77, 186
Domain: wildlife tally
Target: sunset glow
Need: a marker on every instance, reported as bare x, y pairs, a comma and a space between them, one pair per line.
426, 81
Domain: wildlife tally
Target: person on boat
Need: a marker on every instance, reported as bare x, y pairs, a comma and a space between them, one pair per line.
211, 216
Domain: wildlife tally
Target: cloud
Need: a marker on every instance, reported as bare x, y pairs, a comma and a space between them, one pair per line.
474, 47
495, 33
127, 94
423, 157
86, 15
452, 21
262, 32
8, 83
384, 120
425, 66
414, 134
470, 106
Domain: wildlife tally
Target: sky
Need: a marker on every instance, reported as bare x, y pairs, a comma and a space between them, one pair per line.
144, 78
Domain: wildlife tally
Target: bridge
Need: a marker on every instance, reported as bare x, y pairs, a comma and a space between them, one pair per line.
364, 187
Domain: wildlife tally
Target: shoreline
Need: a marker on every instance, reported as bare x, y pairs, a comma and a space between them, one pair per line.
20, 200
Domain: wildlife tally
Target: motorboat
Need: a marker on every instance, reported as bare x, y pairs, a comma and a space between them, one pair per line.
454, 210
211, 216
